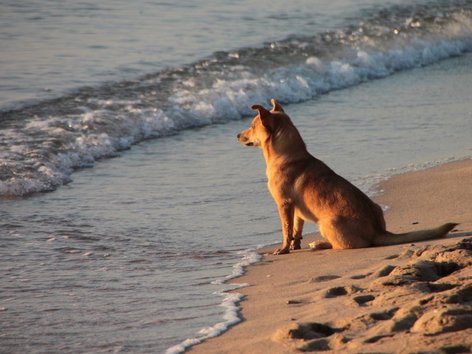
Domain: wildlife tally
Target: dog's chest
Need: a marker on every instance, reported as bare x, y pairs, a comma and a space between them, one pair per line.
281, 183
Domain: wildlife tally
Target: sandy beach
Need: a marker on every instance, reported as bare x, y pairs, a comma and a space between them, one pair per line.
407, 298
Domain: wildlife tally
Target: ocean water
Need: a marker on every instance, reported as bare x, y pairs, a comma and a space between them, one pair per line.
126, 113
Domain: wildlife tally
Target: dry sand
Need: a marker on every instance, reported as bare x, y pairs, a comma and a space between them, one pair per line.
408, 298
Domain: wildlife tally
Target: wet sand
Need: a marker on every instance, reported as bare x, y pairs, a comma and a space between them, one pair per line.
397, 299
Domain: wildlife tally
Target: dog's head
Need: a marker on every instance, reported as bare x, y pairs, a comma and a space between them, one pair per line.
263, 126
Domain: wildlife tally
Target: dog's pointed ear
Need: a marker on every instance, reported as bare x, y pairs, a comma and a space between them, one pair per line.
261, 110
266, 116
276, 107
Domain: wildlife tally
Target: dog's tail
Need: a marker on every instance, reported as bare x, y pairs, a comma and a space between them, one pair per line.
389, 238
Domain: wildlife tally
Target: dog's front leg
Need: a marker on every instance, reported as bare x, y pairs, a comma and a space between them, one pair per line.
297, 232
286, 213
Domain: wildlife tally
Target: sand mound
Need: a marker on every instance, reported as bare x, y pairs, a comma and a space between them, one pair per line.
428, 299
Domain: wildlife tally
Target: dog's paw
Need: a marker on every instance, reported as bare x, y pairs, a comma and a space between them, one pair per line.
320, 245
281, 251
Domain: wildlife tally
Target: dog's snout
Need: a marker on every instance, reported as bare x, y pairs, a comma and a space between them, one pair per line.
238, 135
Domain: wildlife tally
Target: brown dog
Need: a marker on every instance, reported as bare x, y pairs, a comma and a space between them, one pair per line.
304, 188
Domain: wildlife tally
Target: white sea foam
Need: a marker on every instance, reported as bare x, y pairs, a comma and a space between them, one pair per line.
83, 143
249, 257
230, 318
230, 99
230, 303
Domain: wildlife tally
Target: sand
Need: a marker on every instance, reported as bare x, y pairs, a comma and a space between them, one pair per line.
408, 298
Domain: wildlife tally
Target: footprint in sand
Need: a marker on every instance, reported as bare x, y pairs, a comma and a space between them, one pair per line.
393, 256
450, 319
335, 292
383, 315
322, 278
422, 270
384, 271
312, 336
360, 276
362, 300
311, 330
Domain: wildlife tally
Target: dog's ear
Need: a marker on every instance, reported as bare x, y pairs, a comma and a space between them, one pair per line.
276, 107
267, 118
261, 110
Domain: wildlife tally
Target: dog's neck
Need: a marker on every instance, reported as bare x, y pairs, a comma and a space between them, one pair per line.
285, 147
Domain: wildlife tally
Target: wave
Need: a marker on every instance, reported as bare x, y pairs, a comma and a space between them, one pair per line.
41, 145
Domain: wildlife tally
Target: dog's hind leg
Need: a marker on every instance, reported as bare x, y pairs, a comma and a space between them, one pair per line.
320, 245
297, 232
345, 233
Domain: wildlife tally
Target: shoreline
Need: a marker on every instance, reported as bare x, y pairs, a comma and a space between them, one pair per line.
276, 303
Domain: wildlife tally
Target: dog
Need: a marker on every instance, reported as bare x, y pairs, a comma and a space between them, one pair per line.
306, 189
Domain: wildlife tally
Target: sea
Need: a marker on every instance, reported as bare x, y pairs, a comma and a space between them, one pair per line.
127, 206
